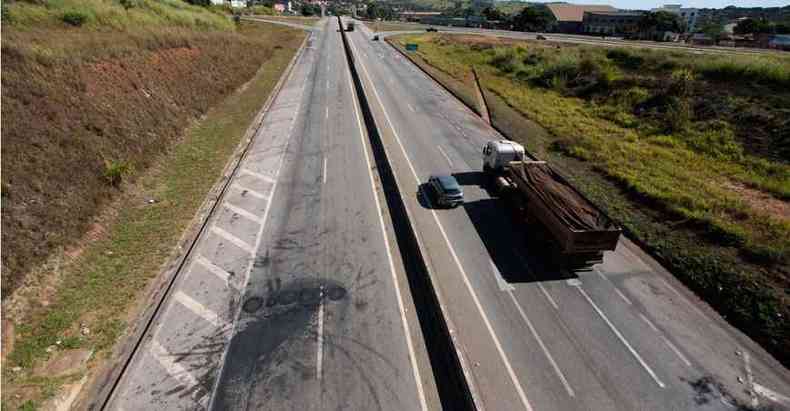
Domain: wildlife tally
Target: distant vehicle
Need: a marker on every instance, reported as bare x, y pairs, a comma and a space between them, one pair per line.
431, 29
350, 26
576, 231
446, 190
376, 37
540, 37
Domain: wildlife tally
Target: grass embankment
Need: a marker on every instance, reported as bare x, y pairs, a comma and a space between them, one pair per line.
94, 122
689, 154
381, 26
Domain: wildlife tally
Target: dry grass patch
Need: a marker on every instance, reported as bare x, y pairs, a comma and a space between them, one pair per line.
61, 124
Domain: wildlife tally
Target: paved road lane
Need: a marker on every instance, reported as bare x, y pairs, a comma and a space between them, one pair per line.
617, 337
294, 299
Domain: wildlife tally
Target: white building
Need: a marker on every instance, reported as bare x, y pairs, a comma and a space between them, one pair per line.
231, 3
688, 15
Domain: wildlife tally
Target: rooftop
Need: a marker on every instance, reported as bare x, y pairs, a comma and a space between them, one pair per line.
575, 12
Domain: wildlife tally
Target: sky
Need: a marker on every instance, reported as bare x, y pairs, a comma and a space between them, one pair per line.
649, 4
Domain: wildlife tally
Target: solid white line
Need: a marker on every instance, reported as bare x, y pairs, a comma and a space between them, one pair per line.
176, 370
250, 191
404, 321
214, 269
649, 323
320, 343
257, 175
548, 296
238, 242
620, 293
324, 172
326, 113
616, 290
514, 379
666, 340
201, 310
503, 285
621, 338
445, 155
242, 212
771, 394
676, 351
542, 345
410, 107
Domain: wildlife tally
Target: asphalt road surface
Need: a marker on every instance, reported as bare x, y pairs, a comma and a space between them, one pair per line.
592, 40
295, 298
623, 336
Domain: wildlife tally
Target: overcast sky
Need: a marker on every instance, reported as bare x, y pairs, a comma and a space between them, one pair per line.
649, 4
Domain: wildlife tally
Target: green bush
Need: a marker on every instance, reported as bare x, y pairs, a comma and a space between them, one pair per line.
504, 59
75, 18
115, 171
625, 58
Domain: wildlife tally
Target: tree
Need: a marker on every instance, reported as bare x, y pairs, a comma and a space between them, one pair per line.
531, 19
310, 9
658, 22
492, 13
715, 31
752, 26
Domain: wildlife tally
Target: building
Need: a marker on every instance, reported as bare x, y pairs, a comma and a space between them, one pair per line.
611, 22
687, 15
568, 17
780, 42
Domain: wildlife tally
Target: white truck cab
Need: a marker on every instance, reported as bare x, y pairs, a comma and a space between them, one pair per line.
497, 154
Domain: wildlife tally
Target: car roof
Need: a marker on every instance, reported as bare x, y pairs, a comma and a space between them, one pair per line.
448, 182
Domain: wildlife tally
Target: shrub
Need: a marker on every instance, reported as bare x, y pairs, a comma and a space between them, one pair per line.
75, 18
115, 171
504, 59
625, 58
716, 139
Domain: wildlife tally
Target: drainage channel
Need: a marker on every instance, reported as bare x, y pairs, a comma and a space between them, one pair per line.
454, 390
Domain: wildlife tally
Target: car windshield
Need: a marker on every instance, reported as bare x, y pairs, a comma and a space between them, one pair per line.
449, 184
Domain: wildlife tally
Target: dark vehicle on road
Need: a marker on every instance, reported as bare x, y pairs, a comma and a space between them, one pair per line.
376, 37
545, 202
431, 29
446, 191
350, 26
540, 37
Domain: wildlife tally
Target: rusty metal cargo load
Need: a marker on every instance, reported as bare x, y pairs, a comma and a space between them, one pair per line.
577, 224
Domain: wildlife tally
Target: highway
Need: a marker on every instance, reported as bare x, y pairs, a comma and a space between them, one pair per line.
296, 297
623, 336
591, 40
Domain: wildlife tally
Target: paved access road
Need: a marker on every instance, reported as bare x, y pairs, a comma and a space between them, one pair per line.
591, 40
294, 298
623, 336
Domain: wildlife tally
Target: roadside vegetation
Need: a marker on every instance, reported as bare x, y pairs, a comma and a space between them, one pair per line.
114, 131
690, 153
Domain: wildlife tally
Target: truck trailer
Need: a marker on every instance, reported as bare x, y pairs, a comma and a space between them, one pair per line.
576, 230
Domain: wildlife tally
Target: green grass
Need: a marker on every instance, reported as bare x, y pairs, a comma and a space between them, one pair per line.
666, 176
117, 15
379, 26
109, 278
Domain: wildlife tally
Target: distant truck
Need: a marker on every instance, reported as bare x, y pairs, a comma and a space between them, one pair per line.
578, 231
350, 26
